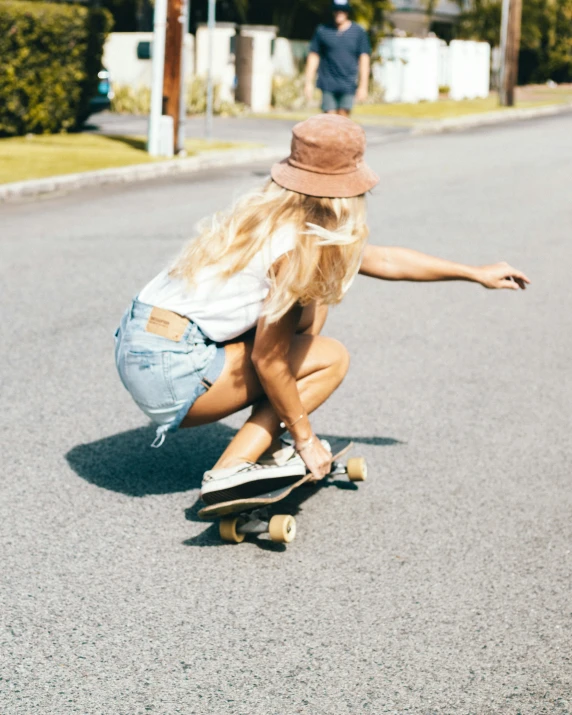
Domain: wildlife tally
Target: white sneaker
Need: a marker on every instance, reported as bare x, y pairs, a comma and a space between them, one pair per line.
249, 480
286, 454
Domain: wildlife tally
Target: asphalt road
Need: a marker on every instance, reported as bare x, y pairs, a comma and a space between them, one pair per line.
441, 585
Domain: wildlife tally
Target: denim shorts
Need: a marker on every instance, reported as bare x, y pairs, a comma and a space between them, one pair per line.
164, 377
336, 100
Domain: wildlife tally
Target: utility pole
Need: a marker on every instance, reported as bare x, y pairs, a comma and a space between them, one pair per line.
510, 46
159, 30
180, 136
173, 73
211, 28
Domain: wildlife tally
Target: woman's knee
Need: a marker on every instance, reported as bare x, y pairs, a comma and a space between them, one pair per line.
310, 354
340, 358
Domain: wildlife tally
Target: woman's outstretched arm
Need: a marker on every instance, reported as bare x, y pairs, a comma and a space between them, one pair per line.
405, 264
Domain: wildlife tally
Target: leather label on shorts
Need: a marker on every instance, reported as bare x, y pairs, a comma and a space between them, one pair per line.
166, 324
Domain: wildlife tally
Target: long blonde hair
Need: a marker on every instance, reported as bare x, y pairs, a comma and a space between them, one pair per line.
330, 237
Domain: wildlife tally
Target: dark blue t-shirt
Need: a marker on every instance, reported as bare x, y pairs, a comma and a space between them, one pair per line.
339, 55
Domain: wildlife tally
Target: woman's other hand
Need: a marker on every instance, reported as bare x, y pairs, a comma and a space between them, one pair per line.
316, 457
501, 275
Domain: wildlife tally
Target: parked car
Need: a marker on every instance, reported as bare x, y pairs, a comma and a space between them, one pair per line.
102, 99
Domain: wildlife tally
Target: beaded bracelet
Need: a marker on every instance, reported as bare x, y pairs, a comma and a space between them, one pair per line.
305, 444
283, 425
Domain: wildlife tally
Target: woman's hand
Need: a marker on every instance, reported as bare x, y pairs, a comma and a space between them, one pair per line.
316, 457
501, 275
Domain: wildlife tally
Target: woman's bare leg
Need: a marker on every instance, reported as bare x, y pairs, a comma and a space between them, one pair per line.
319, 365
311, 322
260, 431
312, 319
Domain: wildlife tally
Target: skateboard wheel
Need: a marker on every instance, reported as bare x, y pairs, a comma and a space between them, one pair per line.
228, 532
282, 528
357, 469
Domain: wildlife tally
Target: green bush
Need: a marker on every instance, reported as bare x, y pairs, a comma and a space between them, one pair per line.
196, 100
51, 55
288, 93
129, 100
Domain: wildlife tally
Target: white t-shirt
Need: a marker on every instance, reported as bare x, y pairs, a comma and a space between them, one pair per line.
222, 308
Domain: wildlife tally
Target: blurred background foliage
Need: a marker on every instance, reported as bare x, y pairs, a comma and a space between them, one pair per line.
294, 18
51, 55
546, 40
546, 24
128, 100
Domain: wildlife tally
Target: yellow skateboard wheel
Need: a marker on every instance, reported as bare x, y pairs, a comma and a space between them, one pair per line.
227, 530
357, 469
282, 528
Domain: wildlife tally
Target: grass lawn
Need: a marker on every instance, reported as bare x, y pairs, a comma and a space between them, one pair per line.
444, 108
410, 114
39, 156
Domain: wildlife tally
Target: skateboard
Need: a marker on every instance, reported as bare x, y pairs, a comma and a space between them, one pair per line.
240, 517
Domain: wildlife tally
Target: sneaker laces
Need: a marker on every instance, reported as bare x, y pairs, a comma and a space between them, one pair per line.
247, 466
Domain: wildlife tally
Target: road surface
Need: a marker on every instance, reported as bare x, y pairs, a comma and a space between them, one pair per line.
246, 129
441, 585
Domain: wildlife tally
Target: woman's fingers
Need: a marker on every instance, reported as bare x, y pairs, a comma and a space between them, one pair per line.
502, 275
317, 459
323, 467
515, 281
521, 282
519, 277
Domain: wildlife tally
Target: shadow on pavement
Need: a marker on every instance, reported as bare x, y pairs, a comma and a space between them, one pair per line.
292, 504
126, 462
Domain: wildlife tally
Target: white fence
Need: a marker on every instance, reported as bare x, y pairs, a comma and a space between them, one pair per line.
223, 68
469, 69
122, 56
412, 69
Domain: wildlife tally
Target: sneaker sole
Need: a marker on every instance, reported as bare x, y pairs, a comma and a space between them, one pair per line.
250, 489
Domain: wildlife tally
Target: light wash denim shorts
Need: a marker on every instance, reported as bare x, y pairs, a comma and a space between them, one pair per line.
164, 377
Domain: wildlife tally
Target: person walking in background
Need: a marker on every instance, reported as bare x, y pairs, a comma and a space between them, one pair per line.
339, 52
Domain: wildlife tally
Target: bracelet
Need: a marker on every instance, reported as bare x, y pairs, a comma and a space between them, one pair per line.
305, 444
283, 425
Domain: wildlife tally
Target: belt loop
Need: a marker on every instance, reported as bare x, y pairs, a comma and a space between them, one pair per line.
207, 384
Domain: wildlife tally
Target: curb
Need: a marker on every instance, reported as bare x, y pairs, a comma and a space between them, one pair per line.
137, 172
455, 124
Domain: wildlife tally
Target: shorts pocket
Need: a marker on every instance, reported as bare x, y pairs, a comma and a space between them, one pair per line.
147, 377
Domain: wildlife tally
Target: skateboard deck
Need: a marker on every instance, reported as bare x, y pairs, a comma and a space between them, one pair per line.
240, 506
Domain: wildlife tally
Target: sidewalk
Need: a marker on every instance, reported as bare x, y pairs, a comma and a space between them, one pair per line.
267, 129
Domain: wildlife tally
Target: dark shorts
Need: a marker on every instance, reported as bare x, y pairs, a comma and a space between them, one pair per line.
337, 100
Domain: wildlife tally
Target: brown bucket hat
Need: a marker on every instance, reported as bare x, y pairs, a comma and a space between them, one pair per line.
326, 159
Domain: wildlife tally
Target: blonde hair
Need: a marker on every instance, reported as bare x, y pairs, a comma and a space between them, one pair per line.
330, 237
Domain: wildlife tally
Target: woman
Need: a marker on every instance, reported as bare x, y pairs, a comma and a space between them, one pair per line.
236, 320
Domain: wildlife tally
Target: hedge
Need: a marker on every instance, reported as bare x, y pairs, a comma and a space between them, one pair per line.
51, 55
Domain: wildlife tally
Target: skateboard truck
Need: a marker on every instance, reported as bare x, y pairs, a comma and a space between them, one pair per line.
281, 527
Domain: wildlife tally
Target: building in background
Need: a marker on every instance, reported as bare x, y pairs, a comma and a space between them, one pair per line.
419, 17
